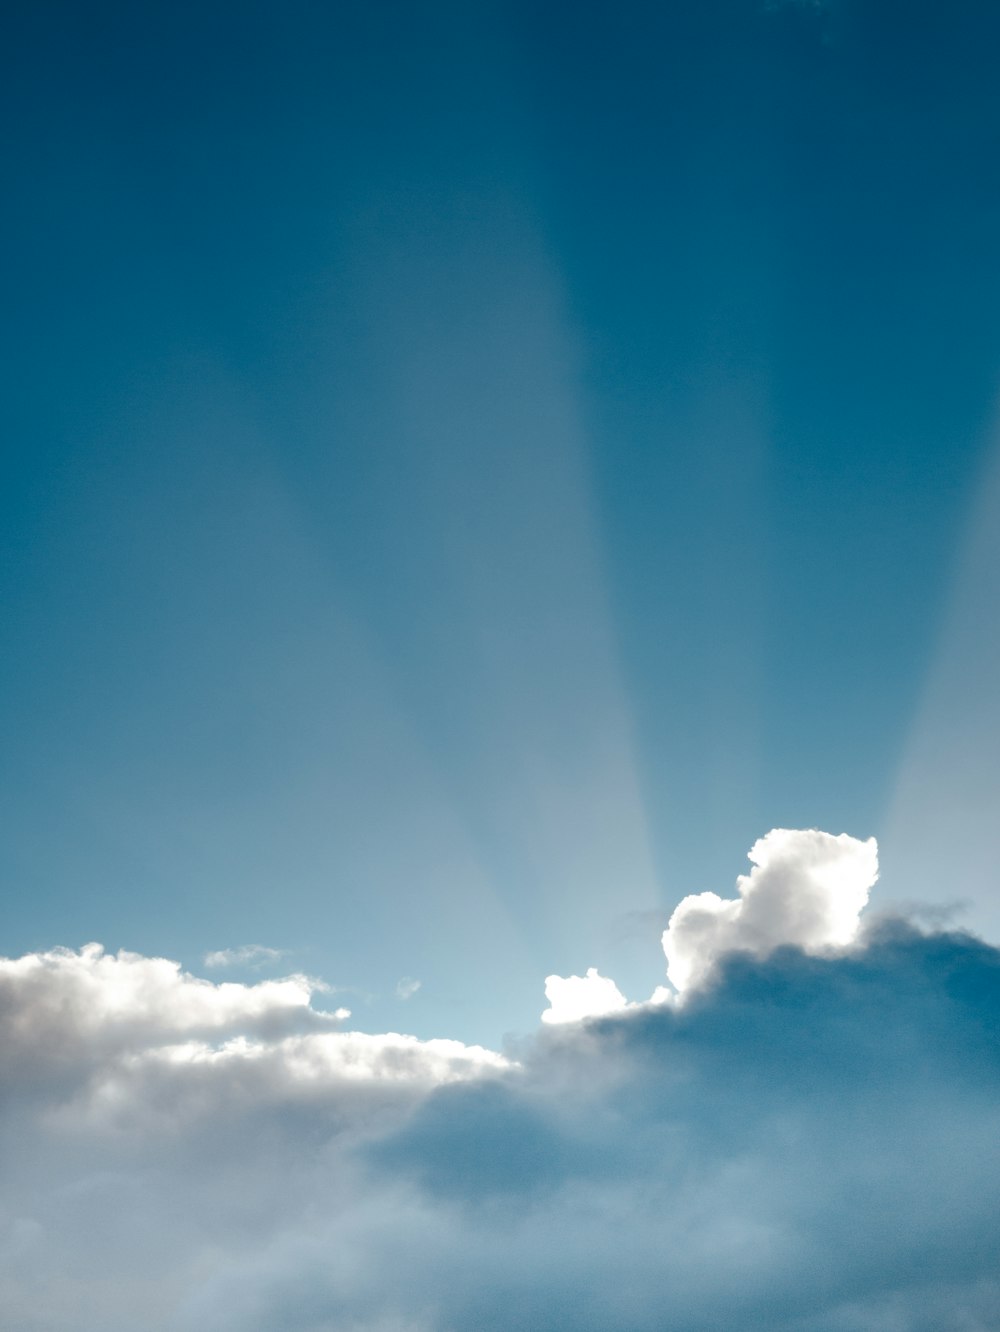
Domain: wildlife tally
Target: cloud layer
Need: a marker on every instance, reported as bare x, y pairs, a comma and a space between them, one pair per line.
809, 1142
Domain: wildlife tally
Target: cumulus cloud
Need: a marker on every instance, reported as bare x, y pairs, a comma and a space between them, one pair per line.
806, 888
64, 999
120, 1037
572, 998
809, 1142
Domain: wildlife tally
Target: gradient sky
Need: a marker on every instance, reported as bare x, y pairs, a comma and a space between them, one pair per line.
470, 469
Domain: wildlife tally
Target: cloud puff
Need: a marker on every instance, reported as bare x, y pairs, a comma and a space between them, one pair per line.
572, 998
406, 987
806, 888
810, 1142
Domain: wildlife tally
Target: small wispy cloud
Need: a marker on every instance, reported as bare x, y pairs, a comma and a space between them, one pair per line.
406, 987
248, 955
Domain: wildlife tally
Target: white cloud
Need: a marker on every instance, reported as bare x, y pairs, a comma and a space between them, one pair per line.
248, 955
165, 1124
806, 888
122, 1038
127, 999
572, 998
406, 987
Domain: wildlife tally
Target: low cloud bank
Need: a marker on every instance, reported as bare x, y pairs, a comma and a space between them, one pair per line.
809, 1141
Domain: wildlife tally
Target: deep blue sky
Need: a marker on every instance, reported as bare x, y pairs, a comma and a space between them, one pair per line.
472, 469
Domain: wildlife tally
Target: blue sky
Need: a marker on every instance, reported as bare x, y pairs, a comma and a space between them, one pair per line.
473, 469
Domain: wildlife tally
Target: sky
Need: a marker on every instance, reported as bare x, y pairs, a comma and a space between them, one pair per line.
470, 473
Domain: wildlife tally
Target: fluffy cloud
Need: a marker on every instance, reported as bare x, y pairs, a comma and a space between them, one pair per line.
810, 1142
123, 999
806, 888
572, 998
126, 1039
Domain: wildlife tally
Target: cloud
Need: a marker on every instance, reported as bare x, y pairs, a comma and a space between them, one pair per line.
124, 1039
64, 1000
572, 998
248, 955
806, 888
809, 1142
811, 1145
406, 987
